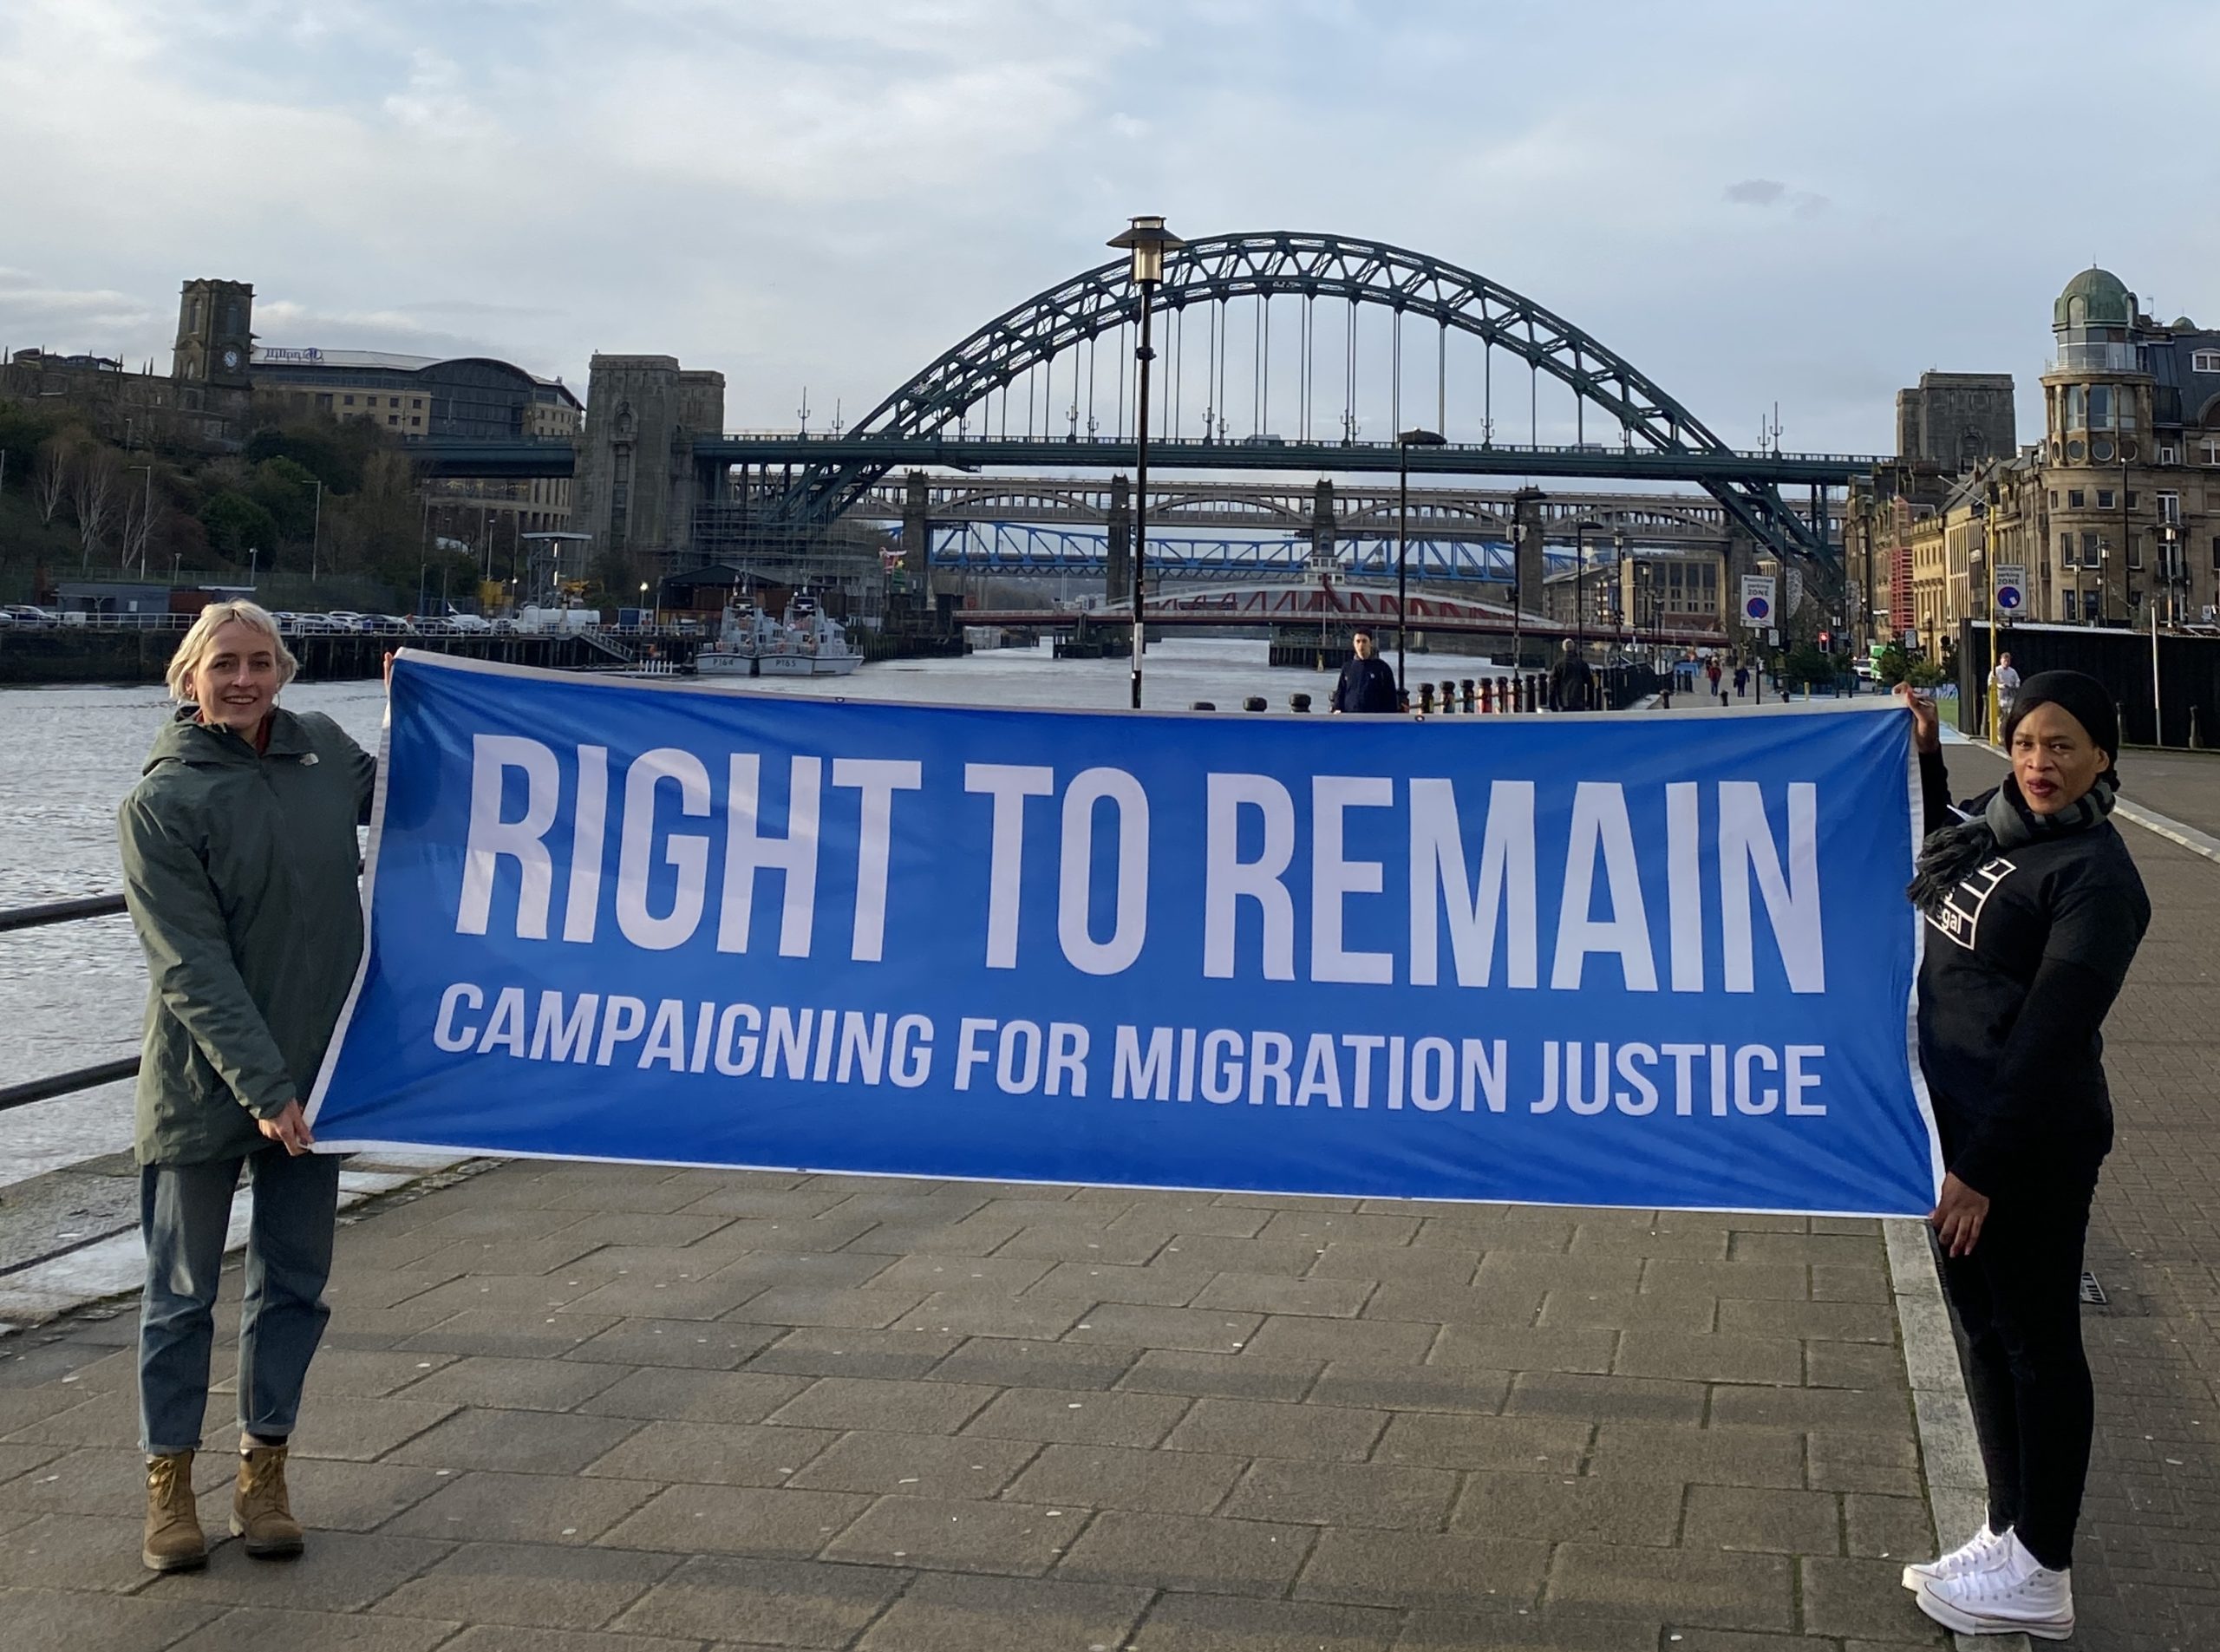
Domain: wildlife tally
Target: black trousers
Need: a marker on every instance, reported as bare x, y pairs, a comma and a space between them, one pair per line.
2017, 1302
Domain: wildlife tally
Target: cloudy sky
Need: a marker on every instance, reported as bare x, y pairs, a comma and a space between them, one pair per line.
1800, 201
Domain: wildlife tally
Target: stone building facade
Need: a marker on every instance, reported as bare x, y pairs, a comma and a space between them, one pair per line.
635, 490
203, 403
1957, 420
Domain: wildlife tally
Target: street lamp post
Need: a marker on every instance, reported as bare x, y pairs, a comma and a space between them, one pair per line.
2169, 549
316, 532
2104, 582
1404, 442
146, 516
643, 593
1148, 241
254, 567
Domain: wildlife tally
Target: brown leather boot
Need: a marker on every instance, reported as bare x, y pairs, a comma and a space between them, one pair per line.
174, 1539
260, 1511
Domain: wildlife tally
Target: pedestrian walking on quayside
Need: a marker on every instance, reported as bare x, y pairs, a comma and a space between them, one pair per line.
1572, 685
2034, 911
1367, 683
239, 862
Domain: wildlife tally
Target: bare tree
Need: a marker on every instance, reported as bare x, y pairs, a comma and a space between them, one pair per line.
50, 478
92, 498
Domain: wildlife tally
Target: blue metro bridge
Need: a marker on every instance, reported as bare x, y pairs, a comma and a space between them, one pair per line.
1058, 368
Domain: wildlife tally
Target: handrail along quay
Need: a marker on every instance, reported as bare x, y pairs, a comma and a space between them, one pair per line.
83, 1077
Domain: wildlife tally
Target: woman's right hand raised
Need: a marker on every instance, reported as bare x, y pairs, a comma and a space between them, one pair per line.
1926, 722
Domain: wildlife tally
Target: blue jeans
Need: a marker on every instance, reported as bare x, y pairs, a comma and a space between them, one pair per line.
183, 1212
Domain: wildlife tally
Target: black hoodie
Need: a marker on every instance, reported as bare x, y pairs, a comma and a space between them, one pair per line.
2021, 963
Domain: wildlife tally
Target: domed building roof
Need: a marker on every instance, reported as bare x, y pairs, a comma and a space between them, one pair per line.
2106, 301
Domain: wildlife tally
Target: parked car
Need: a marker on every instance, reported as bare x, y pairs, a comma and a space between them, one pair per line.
25, 614
385, 623
469, 622
506, 626
345, 619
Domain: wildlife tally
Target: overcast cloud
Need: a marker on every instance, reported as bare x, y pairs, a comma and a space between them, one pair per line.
1754, 202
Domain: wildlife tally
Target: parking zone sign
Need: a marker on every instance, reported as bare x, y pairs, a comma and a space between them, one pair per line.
1757, 601
2011, 587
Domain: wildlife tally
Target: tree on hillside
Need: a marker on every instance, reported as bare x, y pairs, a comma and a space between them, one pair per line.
332, 452
93, 488
51, 478
286, 489
235, 525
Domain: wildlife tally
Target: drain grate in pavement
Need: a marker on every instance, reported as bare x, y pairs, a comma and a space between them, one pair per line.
2092, 1292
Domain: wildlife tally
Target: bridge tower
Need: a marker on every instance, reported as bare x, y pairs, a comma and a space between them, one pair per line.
637, 490
1324, 523
1117, 582
918, 538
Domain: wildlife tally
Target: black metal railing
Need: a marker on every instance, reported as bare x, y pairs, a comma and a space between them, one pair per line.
83, 1077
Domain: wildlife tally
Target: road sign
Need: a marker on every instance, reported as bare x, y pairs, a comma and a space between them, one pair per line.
2011, 587
1772, 639
1757, 600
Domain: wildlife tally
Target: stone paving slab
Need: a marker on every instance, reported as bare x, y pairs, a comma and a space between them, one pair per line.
617, 1408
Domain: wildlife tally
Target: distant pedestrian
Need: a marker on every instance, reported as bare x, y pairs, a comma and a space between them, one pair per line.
2035, 912
1572, 685
1741, 682
1712, 671
2007, 688
239, 869
1366, 683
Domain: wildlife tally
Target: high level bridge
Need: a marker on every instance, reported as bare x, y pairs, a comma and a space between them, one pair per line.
1279, 351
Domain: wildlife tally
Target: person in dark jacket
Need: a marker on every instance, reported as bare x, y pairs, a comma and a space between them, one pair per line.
1572, 685
1366, 683
2034, 911
239, 864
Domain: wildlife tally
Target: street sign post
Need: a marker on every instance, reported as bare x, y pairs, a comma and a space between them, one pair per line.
1757, 601
2011, 589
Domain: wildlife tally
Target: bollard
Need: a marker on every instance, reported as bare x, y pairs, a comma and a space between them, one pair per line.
1254, 702
1298, 703
1448, 697
1472, 703
1426, 699
1202, 705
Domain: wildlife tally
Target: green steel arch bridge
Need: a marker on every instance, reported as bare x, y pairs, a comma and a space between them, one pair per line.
1046, 385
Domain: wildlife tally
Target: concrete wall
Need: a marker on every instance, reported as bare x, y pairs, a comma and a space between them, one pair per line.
634, 487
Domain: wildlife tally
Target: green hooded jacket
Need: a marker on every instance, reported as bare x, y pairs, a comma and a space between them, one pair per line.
240, 870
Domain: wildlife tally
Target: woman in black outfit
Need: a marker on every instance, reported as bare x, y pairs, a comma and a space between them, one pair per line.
2034, 911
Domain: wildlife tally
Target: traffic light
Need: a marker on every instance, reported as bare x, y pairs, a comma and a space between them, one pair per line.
1826, 640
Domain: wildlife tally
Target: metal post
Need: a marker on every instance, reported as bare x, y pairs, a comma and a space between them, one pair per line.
1143, 356
1402, 550
2157, 711
315, 533
1580, 585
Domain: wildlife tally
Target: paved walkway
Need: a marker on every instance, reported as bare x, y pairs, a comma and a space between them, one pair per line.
576, 1408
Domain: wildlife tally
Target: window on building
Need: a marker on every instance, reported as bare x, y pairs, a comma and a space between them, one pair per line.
2170, 506
2103, 499
350, 401
2135, 549
416, 418
2212, 450
2130, 499
393, 418
393, 402
2054, 498
415, 402
2216, 553
2100, 407
2077, 406
2074, 499
2205, 361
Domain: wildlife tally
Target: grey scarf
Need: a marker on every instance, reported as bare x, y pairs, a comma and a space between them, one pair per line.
1951, 852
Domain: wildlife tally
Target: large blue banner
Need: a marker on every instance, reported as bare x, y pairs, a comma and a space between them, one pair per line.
1653, 960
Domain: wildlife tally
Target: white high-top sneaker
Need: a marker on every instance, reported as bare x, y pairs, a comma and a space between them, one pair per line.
1977, 1553
2016, 1595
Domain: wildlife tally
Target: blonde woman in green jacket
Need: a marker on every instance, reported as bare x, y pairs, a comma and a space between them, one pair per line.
239, 863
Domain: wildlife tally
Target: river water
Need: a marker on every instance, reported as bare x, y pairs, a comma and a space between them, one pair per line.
74, 994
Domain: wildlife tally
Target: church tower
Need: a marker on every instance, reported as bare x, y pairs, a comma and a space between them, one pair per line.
215, 335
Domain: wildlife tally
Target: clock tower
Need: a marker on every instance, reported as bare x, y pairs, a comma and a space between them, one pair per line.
215, 333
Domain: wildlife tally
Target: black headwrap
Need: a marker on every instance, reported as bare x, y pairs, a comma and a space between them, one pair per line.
2003, 821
